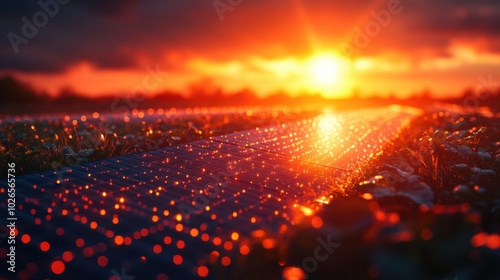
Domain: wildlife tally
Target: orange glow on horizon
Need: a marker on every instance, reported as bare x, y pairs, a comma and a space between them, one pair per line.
322, 71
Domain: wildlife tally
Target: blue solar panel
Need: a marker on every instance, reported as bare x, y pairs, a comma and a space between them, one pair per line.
163, 212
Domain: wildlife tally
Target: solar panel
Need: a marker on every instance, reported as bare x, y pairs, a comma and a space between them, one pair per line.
161, 213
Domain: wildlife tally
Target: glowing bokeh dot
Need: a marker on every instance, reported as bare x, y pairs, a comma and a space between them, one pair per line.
118, 240
157, 249
317, 222
162, 276
244, 250
80, 242
293, 273
269, 243
177, 259
57, 267
203, 271
167, 240
25, 238
235, 236
181, 244
45, 246
226, 261
127, 240
88, 252
217, 241
67, 256
102, 261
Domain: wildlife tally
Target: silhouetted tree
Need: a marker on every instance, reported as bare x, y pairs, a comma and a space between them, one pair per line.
14, 91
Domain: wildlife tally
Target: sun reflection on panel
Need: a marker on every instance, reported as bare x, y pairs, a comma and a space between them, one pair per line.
141, 208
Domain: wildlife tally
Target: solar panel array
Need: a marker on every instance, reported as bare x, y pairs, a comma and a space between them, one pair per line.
184, 212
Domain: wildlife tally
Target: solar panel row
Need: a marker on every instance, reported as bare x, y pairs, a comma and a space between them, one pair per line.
162, 213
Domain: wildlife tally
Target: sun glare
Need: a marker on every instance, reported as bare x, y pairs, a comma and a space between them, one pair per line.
327, 72
324, 69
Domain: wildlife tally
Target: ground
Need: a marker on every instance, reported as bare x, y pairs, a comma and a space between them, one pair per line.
427, 207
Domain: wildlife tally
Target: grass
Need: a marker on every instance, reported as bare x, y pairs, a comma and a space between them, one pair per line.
46, 143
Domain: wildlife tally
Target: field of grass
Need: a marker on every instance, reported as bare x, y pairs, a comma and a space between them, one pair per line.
37, 143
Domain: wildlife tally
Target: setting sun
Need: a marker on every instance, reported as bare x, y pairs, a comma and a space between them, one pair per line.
327, 73
324, 69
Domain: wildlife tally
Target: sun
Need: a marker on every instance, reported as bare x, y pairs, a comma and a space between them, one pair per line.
326, 72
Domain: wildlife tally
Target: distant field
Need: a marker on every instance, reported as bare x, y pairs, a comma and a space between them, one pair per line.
41, 142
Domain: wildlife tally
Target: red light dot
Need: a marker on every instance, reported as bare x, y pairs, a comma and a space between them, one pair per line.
203, 271
88, 252
244, 250
228, 245
269, 243
317, 222
479, 239
45, 246
167, 240
57, 267
67, 256
292, 272
162, 276
157, 249
226, 261
177, 259
493, 241
127, 240
393, 218
118, 240
80, 242
180, 244
179, 227
205, 237
426, 234
214, 255
102, 261
217, 241
25, 238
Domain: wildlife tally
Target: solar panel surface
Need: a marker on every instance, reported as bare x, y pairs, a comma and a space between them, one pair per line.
162, 213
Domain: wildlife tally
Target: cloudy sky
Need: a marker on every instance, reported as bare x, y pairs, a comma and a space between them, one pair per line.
377, 47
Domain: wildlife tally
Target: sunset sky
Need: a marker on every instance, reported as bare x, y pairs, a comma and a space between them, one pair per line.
333, 47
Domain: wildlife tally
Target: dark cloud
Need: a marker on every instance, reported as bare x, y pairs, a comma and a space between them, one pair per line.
116, 33
18, 8
459, 17
108, 7
429, 28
